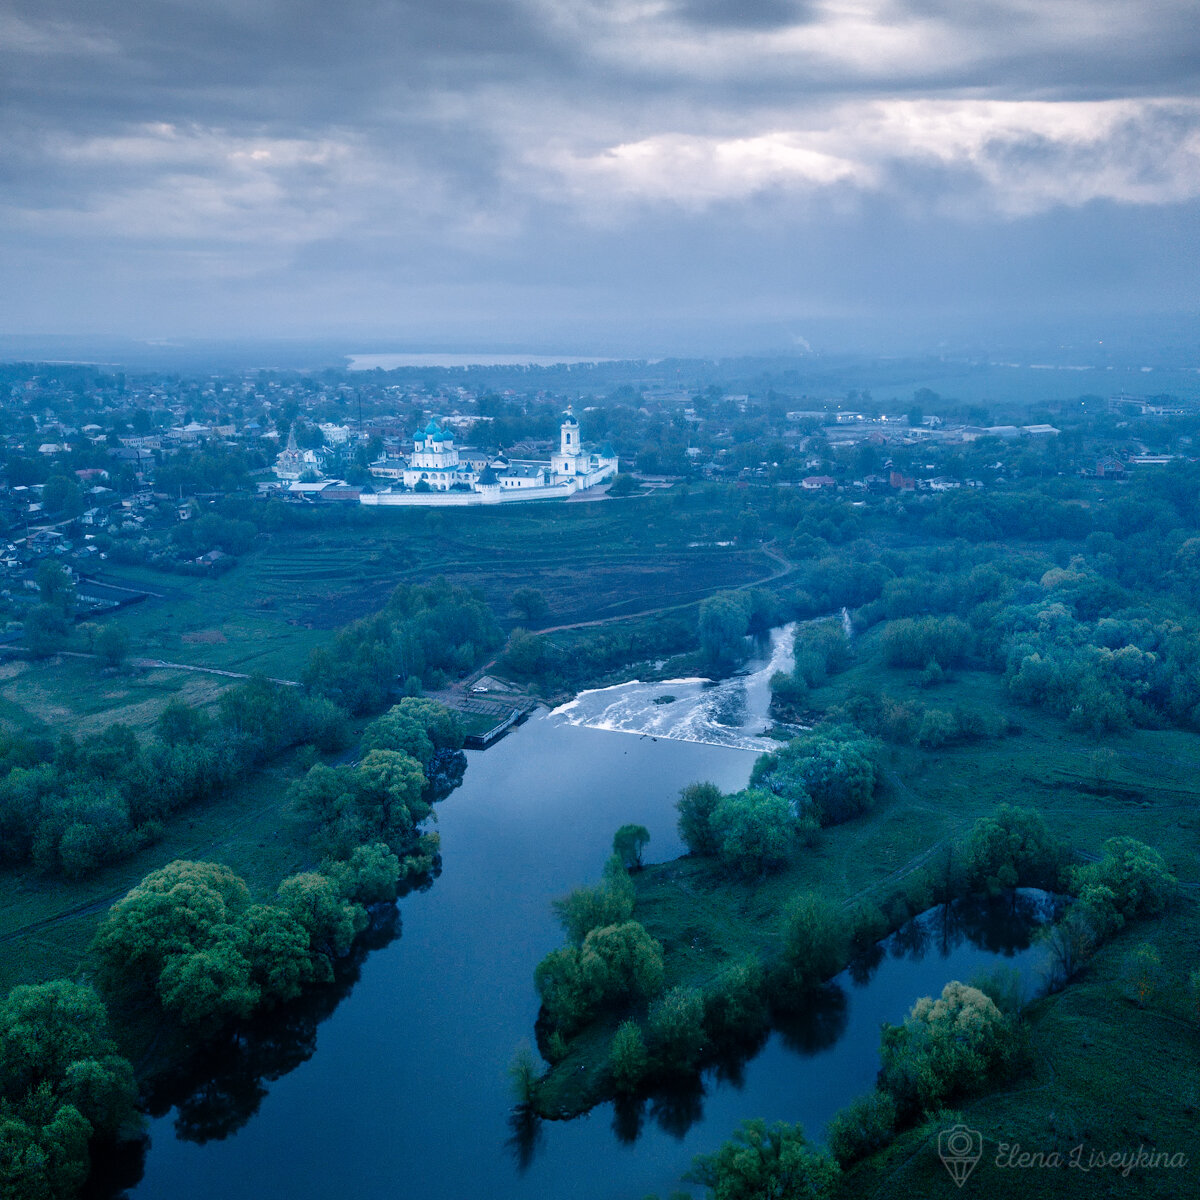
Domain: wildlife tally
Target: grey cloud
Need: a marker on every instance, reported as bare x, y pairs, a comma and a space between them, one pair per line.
745, 14
405, 144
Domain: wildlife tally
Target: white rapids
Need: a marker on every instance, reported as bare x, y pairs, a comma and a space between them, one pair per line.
730, 713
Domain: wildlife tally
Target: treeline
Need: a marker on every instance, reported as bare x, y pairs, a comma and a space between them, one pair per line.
189, 936
71, 806
423, 636
1069, 638
190, 941
410, 757
968, 1040
559, 663
971, 1039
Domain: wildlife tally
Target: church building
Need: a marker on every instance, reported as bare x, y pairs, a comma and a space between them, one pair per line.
435, 468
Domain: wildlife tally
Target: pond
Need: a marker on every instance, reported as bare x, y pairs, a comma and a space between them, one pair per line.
396, 1085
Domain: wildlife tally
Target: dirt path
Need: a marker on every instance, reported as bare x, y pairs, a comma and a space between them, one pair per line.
154, 664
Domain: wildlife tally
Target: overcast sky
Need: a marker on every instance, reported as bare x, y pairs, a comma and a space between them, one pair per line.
574, 174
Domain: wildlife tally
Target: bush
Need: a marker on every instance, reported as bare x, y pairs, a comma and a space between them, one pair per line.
953, 1046
627, 1058
865, 1125
814, 950
758, 1162
755, 832
676, 1024
695, 806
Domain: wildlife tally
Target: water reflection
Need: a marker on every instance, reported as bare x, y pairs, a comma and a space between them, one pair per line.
677, 1108
222, 1087
835, 1030
629, 1116
816, 1024
526, 1135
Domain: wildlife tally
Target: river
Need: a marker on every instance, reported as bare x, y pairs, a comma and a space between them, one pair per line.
402, 1089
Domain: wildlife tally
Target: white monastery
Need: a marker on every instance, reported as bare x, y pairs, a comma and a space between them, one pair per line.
436, 475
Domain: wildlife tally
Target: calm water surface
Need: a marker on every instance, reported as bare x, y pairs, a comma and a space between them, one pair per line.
406, 1093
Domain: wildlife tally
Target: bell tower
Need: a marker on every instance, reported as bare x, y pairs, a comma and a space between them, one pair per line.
569, 436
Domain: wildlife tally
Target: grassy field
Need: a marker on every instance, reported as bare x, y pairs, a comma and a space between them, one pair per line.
46, 924
76, 695
591, 561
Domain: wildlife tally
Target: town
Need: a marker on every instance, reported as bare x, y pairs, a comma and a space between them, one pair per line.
181, 475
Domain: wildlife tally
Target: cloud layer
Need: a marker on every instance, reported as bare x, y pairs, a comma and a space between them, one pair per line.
171, 166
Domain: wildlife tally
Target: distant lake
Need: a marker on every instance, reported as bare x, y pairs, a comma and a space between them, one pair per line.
389, 362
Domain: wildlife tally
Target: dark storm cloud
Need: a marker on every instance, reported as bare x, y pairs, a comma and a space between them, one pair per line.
377, 158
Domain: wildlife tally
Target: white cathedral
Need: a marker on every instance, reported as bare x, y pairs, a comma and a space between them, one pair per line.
437, 474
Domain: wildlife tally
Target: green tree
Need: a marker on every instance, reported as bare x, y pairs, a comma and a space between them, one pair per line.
628, 843
864, 1126
627, 1058
560, 985
55, 586
828, 774
607, 903
416, 726
523, 1072
695, 806
277, 951
814, 944
724, 621
388, 796
735, 1004
948, 1047
331, 921
180, 908
676, 1025
62, 1083
1143, 974
529, 604
111, 645
1013, 848
1135, 874
61, 494
370, 876
181, 724
756, 831
620, 963
46, 630
758, 1163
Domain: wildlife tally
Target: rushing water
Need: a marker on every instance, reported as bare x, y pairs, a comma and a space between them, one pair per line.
401, 1088
730, 713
